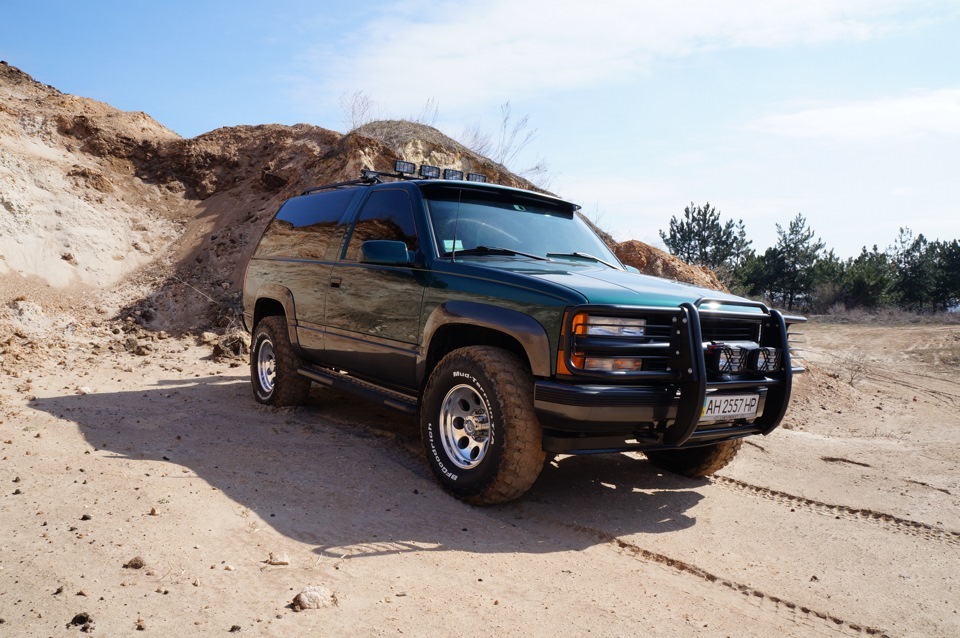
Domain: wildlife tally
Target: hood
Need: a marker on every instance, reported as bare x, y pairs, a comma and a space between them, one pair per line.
602, 285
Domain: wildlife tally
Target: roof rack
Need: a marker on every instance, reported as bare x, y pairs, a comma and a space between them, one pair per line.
401, 170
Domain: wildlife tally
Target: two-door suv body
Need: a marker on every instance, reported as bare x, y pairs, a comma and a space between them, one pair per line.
512, 331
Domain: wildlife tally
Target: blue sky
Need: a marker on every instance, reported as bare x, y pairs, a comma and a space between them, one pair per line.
847, 111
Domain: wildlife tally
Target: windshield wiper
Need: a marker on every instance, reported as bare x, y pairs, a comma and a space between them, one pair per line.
584, 256
493, 250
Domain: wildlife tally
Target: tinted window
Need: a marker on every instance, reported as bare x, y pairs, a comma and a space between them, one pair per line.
305, 226
387, 214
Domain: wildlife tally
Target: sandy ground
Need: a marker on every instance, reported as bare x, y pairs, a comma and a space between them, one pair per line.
845, 524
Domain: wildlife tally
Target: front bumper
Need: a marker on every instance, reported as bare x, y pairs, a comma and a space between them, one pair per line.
581, 419
662, 410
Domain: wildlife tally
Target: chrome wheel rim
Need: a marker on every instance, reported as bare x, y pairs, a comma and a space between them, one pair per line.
266, 366
465, 427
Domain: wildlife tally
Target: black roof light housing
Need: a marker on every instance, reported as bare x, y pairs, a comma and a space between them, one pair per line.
429, 172
404, 168
401, 170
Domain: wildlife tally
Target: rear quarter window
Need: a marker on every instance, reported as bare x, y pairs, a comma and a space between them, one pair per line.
305, 226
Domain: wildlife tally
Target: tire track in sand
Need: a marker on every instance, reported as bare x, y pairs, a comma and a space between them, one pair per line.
882, 519
788, 610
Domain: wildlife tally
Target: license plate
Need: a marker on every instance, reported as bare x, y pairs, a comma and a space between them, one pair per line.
728, 407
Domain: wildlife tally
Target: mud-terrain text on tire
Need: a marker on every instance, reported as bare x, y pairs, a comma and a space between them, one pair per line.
480, 432
274, 365
696, 462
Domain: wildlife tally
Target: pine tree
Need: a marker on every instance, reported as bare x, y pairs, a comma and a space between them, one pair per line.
701, 239
798, 251
868, 280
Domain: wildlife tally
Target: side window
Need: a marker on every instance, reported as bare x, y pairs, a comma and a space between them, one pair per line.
387, 214
305, 226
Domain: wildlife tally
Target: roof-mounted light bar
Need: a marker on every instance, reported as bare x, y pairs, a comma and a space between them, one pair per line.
429, 172
404, 168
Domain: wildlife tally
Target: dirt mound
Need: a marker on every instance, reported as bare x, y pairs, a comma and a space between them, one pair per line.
105, 212
424, 144
653, 261
72, 213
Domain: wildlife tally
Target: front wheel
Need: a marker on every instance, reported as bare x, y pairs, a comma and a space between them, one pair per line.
696, 462
274, 364
482, 438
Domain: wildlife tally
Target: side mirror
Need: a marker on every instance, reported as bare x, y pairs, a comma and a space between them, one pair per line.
383, 251
633, 270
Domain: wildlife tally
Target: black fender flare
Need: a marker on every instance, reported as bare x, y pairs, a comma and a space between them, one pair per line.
282, 295
531, 335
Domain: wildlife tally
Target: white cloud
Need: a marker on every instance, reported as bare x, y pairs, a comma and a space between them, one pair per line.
918, 114
469, 53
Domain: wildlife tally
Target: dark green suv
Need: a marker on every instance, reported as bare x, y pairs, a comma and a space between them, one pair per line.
512, 331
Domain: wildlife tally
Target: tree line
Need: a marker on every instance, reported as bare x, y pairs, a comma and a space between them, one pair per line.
799, 273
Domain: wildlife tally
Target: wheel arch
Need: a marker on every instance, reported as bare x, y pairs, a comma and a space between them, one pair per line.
457, 324
276, 300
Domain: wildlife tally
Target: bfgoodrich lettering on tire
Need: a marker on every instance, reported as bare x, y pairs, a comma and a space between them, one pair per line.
480, 432
274, 365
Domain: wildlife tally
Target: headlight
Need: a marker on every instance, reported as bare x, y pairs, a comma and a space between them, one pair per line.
584, 324
602, 343
613, 364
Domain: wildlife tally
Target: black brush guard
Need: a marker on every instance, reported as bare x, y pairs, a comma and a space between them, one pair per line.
599, 411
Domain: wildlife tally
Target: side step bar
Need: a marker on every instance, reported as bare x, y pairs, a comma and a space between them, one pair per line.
364, 389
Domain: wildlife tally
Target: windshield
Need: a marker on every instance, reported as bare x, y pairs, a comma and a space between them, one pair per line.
496, 223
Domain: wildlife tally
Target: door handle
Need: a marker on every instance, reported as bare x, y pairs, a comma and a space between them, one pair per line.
335, 282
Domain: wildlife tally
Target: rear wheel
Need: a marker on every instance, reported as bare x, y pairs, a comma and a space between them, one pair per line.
482, 438
696, 462
274, 364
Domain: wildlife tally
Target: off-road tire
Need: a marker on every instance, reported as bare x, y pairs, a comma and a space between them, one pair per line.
696, 462
286, 388
512, 454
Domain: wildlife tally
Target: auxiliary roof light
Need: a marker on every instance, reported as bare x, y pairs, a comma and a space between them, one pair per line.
476, 177
449, 173
429, 172
405, 168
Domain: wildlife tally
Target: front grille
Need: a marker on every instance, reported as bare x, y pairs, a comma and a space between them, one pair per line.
721, 330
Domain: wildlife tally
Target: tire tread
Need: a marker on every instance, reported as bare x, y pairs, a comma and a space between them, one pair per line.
696, 462
523, 455
290, 388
